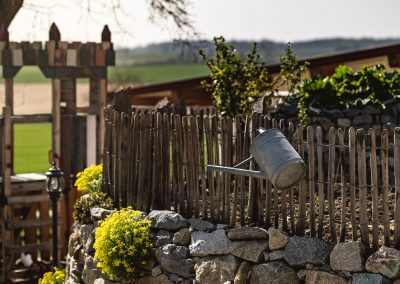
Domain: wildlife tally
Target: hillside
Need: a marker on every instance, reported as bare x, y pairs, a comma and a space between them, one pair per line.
174, 53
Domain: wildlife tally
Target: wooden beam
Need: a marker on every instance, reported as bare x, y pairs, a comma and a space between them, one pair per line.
91, 140
7, 152
101, 126
9, 90
56, 126
31, 118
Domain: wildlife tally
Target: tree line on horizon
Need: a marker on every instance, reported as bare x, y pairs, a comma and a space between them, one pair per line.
187, 53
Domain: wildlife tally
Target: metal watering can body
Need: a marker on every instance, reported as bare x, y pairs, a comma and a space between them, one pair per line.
278, 160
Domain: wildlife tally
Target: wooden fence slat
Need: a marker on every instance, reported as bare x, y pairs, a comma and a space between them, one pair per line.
174, 166
224, 176
283, 191
125, 129
114, 158
180, 162
268, 187
155, 164
321, 193
274, 124
216, 143
261, 190
362, 180
397, 187
331, 182
227, 162
245, 153
352, 169
202, 164
301, 225
161, 166
119, 181
238, 158
311, 177
149, 157
374, 191
188, 169
343, 186
135, 157
253, 182
166, 159
385, 183
106, 152
139, 162
193, 163
211, 161
291, 197
129, 159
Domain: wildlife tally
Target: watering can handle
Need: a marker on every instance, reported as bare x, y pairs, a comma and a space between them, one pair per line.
243, 162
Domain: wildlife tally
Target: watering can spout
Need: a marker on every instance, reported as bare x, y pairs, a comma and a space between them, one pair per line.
243, 172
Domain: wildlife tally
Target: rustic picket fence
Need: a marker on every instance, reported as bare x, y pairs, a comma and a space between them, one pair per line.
351, 190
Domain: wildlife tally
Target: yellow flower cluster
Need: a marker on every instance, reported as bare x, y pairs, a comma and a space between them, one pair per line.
122, 243
90, 179
56, 277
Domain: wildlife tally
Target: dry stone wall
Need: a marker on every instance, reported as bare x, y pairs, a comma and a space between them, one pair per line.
367, 117
197, 251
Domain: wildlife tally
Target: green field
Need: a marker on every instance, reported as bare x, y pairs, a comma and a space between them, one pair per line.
145, 74
31, 147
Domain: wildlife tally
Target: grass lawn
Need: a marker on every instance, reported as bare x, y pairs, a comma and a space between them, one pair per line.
31, 147
148, 74
156, 73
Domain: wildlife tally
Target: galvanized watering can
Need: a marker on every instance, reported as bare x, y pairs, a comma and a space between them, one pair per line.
278, 160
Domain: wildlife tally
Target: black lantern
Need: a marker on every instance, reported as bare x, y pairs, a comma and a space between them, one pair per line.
54, 187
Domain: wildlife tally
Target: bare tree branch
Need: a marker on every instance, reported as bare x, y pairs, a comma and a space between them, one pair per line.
8, 10
175, 11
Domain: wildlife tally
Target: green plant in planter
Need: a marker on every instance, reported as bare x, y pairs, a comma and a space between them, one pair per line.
347, 88
122, 244
93, 199
56, 277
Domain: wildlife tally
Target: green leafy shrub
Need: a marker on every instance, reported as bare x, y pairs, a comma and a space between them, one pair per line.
122, 243
90, 179
235, 84
93, 199
346, 88
56, 277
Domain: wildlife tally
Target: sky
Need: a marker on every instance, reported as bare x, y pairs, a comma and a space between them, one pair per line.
279, 20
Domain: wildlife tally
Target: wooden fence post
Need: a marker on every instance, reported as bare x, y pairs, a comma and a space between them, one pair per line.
397, 187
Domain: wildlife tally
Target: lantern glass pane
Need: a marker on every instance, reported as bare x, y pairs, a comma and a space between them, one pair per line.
54, 184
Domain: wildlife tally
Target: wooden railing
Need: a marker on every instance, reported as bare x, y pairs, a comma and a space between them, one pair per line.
158, 161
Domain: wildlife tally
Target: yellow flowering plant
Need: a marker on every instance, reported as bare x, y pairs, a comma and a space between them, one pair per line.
84, 203
122, 244
90, 179
56, 277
